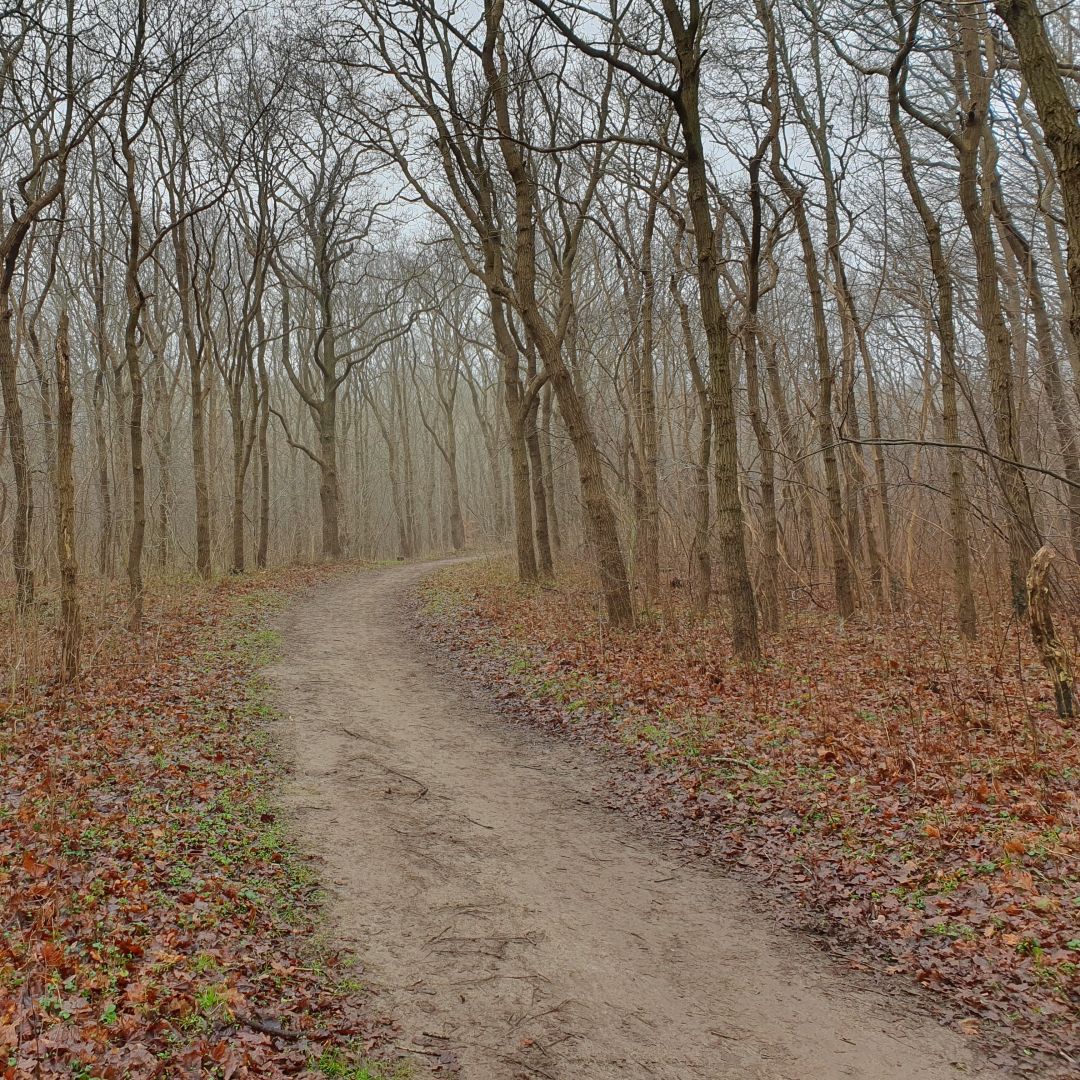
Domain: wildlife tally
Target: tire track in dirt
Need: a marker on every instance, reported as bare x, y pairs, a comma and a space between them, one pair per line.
509, 917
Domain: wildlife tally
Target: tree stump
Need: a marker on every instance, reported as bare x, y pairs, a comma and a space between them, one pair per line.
1053, 653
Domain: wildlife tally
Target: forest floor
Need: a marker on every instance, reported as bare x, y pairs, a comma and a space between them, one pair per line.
516, 925
156, 917
913, 797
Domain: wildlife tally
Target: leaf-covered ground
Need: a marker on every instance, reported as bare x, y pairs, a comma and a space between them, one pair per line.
918, 791
155, 920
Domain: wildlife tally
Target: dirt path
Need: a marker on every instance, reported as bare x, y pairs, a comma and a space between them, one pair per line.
512, 918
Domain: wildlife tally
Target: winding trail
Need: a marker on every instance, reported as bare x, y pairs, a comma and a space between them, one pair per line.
507, 916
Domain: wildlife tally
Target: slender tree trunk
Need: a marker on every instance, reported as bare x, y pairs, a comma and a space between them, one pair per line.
70, 621
599, 516
408, 472
731, 539
161, 443
545, 565
770, 586
396, 500
645, 415
519, 469
880, 476
519, 452
548, 460
101, 469
457, 521
20, 459
196, 359
841, 556
236, 423
1058, 117
964, 597
43, 373
1019, 250
701, 566
262, 547
136, 301
854, 460
842, 583
329, 501
1020, 527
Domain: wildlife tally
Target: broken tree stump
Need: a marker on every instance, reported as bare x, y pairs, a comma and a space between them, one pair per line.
1053, 653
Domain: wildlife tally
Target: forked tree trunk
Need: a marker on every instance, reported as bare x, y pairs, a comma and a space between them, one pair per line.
599, 515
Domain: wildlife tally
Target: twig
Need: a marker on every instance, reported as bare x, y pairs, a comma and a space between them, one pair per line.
739, 761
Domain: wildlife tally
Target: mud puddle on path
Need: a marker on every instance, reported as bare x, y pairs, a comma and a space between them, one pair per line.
508, 917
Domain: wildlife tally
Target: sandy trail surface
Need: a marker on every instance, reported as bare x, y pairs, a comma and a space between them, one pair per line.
510, 918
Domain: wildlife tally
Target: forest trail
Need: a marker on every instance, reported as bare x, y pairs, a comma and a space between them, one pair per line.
511, 918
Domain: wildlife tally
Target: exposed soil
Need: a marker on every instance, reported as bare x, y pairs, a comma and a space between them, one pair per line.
518, 926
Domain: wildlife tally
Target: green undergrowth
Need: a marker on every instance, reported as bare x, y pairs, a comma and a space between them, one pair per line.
159, 917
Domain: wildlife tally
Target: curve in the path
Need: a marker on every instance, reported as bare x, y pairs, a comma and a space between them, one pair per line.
510, 917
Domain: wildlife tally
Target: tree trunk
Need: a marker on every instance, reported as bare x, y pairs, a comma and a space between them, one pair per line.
963, 595
70, 622
842, 583
20, 460
841, 556
236, 422
548, 461
599, 516
770, 588
544, 563
701, 564
136, 301
196, 358
645, 415
262, 546
1055, 656
1058, 117
1020, 527
1050, 375
101, 469
731, 540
